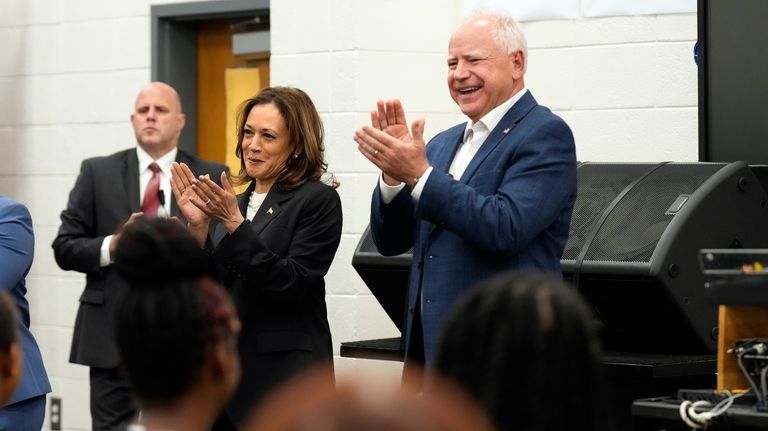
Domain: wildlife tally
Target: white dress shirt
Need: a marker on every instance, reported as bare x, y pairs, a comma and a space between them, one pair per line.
145, 174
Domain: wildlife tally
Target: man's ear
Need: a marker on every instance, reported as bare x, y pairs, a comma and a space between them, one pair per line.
10, 371
519, 60
182, 121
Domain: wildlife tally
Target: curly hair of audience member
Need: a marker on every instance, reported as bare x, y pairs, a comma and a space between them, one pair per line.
525, 346
172, 314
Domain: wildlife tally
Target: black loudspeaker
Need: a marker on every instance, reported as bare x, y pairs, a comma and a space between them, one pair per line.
632, 251
633, 247
385, 276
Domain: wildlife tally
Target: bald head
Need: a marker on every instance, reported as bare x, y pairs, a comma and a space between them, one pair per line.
161, 87
157, 119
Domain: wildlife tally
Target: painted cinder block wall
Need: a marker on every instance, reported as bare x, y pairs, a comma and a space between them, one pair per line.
70, 71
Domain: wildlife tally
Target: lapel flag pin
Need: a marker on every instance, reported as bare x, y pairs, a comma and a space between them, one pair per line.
505, 131
269, 211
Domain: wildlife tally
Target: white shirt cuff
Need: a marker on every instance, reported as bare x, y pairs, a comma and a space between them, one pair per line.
388, 192
416, 192
104, 258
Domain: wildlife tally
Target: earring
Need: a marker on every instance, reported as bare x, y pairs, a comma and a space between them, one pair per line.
295, 156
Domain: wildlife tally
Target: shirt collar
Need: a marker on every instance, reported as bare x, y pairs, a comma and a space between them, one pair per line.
492, 118
164, 161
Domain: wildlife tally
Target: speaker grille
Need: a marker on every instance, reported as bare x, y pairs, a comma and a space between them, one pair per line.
599, 184
634, 227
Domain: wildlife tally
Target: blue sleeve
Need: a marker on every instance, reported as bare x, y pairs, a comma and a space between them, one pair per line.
392, 224
17, 243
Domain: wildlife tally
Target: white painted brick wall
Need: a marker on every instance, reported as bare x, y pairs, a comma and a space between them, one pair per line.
71, 69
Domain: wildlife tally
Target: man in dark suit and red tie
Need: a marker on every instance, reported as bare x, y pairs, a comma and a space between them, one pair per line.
492, 194
110, 192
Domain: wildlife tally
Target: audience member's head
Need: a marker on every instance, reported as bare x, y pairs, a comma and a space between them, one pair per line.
10, 349
176, 329
523, 344
308, 403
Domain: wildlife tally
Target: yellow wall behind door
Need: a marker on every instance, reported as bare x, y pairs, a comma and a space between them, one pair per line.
240, 84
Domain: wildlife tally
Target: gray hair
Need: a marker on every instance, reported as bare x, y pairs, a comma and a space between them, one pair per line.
505, 31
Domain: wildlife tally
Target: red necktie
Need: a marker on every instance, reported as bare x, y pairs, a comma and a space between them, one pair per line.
151, 195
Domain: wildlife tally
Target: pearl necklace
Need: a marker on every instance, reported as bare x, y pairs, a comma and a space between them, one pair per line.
254, 202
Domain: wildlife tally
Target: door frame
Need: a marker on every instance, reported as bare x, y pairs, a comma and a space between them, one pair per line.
174, 48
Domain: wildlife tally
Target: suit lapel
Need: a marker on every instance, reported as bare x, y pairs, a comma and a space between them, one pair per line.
131, 176
454, 137
269, 209
507, 124
243, 198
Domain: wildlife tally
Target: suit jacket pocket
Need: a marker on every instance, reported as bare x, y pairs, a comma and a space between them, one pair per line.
92, 296
284, 340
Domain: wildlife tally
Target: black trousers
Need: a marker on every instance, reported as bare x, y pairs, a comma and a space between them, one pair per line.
112, 404
414, 359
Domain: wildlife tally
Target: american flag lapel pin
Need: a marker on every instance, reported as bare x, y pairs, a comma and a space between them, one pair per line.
505, 131
269, 211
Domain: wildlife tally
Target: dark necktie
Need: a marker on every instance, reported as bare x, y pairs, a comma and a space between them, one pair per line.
151, 195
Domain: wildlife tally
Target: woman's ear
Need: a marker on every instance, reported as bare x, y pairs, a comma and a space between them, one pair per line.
225, 363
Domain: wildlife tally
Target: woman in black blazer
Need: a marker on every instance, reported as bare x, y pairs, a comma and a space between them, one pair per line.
273, 243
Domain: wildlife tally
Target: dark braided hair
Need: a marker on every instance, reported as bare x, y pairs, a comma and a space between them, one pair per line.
172, 315
524, 346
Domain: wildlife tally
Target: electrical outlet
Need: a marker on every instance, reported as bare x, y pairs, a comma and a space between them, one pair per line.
55, 414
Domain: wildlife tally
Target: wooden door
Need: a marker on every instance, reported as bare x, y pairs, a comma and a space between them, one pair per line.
223, 82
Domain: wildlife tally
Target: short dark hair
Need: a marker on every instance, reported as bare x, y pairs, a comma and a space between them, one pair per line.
305, 134
524, 345
172, 315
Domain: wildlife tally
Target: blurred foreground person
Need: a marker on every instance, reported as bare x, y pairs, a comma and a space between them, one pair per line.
176, 329
25, 410
524, 346
307, 404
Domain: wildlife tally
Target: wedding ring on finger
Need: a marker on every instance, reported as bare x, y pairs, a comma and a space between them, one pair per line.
208, 201
375, 152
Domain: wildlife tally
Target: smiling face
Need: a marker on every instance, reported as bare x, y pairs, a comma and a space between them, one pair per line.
157, 119
266, 145
481, 76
